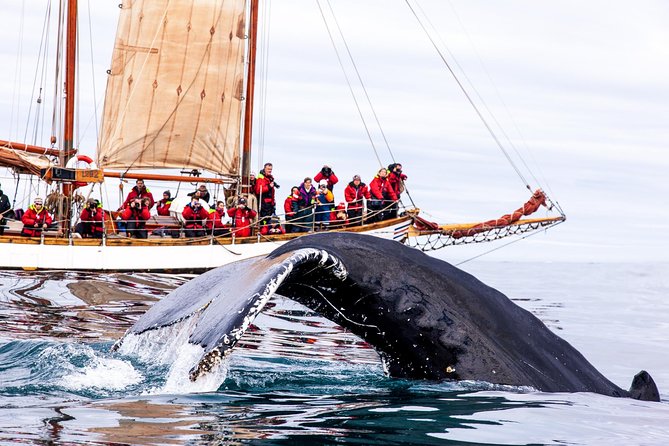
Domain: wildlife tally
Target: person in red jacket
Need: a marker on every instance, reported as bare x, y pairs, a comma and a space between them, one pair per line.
136, 214
163, 206
326, 173
290, 206
241, 218
216, 224
195, 216
383, 196
396, 179
339, 218
273, 227
354, 194
265, 188
35, 219
138, 191
92, 220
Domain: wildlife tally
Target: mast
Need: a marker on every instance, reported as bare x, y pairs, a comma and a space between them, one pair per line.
68, 128
70, 70
250, 86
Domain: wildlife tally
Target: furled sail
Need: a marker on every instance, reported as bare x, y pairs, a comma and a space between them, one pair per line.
175, 89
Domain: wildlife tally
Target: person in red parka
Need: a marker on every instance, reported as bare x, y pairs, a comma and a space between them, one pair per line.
383, 196
138, 191
354, 194
241, 218
273, 227
92, 220
264, 189
216, 224
163, 206
339, 217
396, 179
290, 206
35, 219
326, 173
195, 216
136, 214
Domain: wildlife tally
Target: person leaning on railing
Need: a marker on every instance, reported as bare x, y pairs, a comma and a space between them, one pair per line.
242, 215
354, 193
324, 206
92, 219
216, 224
383, 196
194, 216
291, 206
305, 214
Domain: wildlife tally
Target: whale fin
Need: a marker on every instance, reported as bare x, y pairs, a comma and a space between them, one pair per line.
644, 388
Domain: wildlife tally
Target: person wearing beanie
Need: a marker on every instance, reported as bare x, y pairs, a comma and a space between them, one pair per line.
92, 219
36, 219
354, 194
164, 204
242, 218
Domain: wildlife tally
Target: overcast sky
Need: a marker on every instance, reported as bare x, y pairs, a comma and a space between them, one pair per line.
581, 88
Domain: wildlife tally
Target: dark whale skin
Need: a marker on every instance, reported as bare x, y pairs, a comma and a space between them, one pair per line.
426, 318
436, 321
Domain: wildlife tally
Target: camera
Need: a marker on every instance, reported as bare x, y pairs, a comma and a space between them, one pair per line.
326, 171
276, 185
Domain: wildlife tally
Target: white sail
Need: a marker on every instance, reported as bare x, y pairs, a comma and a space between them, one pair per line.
175, 90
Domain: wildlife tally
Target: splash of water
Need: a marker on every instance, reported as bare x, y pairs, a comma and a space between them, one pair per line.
169, 346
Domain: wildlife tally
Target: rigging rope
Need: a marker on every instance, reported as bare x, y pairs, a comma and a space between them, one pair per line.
348, 82
469, 99
362, 84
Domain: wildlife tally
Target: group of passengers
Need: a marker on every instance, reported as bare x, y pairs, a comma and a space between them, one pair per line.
309, 207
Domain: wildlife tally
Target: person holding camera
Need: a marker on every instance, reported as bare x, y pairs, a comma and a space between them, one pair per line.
327, 174
195, 216
383, 197
138, 191
242, 215
265, 189
136, 214
92, 220
324, 206
396, 180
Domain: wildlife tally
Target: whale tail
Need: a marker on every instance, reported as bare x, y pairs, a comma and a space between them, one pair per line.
643, 387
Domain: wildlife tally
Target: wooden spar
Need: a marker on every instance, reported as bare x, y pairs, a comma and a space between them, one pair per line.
19, 146
159, 177
250, 87
70, 88
70, 71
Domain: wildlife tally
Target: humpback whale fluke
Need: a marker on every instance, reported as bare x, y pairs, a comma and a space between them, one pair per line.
426, 318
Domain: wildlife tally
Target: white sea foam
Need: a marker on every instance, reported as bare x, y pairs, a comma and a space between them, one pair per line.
104, 373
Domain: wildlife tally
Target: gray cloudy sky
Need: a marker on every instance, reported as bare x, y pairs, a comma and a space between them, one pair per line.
586, 84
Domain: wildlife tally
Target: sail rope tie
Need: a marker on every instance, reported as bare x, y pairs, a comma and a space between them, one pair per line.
469, 99
362, 84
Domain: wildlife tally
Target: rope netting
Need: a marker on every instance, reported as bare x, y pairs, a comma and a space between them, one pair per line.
434, 241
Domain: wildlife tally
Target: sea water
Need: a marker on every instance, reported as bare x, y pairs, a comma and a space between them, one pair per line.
300, 379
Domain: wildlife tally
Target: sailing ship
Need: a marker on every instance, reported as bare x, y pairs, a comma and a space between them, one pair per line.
180, 98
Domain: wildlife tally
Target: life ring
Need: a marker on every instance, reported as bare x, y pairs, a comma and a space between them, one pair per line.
73, 163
